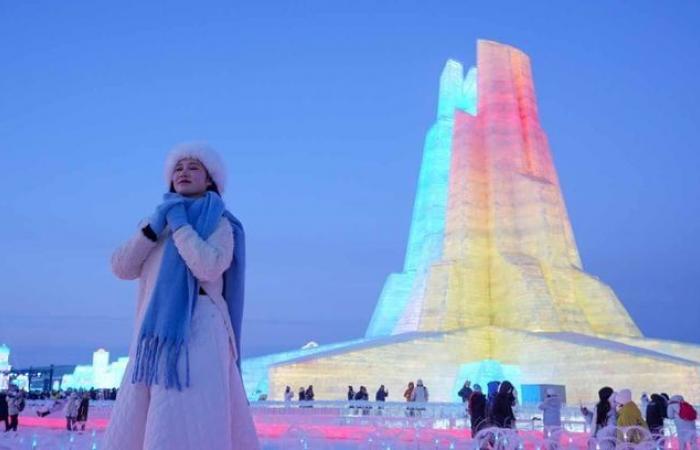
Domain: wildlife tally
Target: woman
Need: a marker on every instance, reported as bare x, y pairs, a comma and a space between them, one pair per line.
604, 421
288, 395
408, 395
628, 416
655, 415
83, 409
477, 410
182, 388
502, 414
309, 394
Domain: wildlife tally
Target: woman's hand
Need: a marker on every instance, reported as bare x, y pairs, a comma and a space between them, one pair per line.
159, 218
177, 217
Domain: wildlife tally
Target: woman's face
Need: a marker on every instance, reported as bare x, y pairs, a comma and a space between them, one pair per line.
190, 178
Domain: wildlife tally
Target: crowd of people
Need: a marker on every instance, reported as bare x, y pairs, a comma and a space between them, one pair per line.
12, 402
74, 404
304, 395
616, 412
615, 418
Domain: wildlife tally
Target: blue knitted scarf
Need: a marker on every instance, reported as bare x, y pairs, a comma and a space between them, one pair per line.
164, 333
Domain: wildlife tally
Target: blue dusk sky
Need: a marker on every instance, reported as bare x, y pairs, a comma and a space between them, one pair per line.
320, 109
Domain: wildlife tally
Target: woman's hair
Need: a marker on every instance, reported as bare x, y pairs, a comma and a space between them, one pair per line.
603, 406
505, 388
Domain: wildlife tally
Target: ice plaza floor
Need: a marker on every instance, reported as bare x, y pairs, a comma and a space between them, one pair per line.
337, 425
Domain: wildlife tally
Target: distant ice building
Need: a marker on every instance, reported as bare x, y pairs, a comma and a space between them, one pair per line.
4, 366
100, 375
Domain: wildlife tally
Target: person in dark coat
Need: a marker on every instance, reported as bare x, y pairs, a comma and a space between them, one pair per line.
655, 415
309, 394
466, 391
502, 414
351, 393
15, 404
362, 395
382, 394
83, 408
477, 410
302, 394
491, 395
4, 416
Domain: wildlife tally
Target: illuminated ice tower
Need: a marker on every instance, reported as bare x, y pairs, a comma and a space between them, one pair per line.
493, 285
490, 241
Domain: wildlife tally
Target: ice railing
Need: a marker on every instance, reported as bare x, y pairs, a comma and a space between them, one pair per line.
386, 419
431, 414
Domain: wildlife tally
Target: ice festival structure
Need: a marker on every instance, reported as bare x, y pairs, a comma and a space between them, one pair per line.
492, 286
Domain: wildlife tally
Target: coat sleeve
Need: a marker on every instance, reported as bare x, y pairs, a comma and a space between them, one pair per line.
128, 259
207, 259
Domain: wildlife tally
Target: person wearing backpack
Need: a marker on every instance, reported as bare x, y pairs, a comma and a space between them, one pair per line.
683, 415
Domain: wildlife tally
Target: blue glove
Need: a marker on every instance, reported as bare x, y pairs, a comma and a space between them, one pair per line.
158, 220
177, 217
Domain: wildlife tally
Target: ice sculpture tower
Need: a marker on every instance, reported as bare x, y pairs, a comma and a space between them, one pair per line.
490, 241
492, 285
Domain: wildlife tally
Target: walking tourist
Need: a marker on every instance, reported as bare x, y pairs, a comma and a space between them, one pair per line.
83, 409
189, 257
15, 405
71, 410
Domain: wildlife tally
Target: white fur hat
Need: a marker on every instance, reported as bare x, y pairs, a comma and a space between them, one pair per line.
623, 397
202, 152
